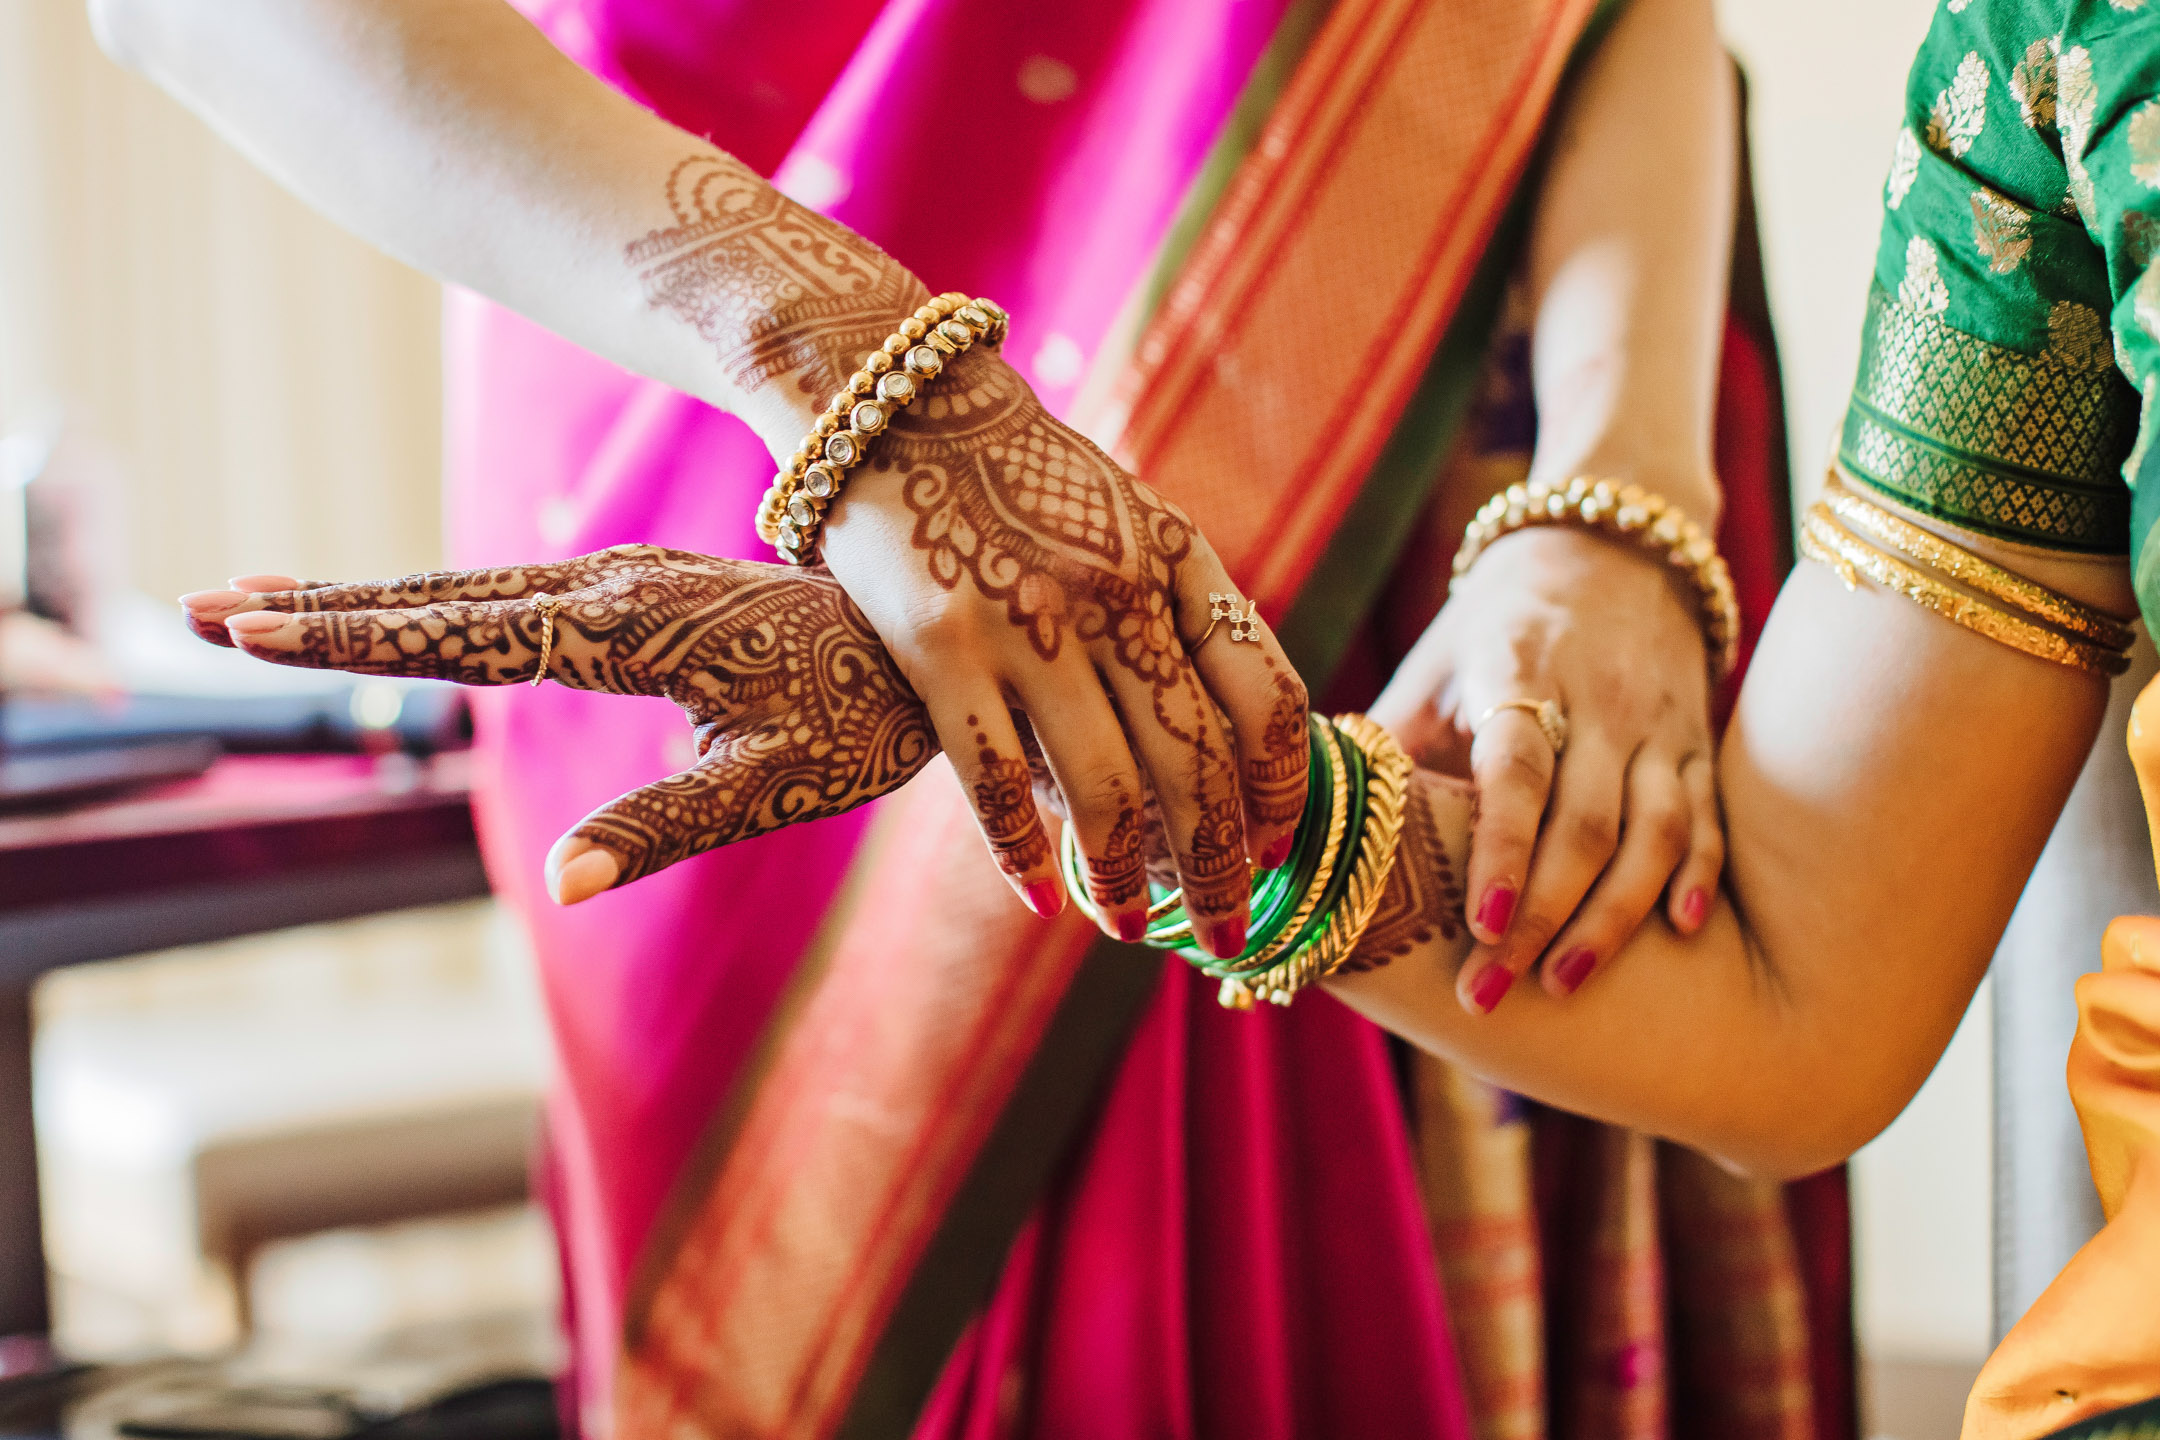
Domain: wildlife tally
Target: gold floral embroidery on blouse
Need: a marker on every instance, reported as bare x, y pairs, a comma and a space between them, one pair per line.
2144, 134
1960, 110
1904, 168
1922, 288
2078, 337
2076, 96
2032, 85
2002, 231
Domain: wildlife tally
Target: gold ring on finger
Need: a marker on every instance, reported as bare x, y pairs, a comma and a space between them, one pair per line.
1552, 721
1243, 615
545, 604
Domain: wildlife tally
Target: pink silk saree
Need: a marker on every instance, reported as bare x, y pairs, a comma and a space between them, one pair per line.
772, 1201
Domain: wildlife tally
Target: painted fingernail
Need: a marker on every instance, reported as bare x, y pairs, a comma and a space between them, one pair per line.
1496, 910
211, 603
1044, 897
1573, 969
1278, 853
257, 622
1131, 926
1489, 985
1693, 907
1226, 940
262, 583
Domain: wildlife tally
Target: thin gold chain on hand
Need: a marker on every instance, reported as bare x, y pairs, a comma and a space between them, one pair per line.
794, 506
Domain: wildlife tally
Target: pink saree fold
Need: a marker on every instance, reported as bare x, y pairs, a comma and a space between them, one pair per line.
1094, 119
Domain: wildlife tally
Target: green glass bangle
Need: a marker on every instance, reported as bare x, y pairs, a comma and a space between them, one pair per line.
1353, 836
1297, 874
1275, 896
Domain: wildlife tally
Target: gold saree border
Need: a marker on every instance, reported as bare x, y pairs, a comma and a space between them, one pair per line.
1261, 409
2023, 447
1339, 234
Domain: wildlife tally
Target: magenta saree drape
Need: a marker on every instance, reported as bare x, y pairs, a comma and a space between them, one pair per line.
1073, 141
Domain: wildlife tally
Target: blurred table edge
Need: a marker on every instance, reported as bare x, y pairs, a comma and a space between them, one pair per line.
259, 843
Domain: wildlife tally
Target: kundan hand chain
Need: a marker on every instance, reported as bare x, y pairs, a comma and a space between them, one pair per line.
890, 379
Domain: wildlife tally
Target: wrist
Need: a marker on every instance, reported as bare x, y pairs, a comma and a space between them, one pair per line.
1688, 482
817, 344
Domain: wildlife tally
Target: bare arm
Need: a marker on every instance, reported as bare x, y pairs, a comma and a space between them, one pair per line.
1889, 780
1628, 307
451, 133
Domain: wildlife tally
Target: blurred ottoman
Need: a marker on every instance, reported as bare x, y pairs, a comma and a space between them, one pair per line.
196, 1105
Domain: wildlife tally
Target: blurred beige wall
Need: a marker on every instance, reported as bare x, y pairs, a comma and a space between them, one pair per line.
265, 388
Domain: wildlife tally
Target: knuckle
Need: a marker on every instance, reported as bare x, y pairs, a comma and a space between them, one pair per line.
1672, 828
1594, 831
1520, 765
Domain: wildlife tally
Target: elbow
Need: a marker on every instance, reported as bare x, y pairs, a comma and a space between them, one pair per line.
1806, 1131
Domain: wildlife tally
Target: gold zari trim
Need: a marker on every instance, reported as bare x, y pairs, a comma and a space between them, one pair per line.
1823, 540
2020, 446
1974, 573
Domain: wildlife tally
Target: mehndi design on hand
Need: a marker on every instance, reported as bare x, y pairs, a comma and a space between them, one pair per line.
800, 713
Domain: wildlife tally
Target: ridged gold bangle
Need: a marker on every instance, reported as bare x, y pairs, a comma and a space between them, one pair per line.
1388, 770
1824, 540
1957, 563
890, 379
1629, 512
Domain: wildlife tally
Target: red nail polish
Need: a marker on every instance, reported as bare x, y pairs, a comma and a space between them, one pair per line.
1278, 854
1132, 926
1574, 968
1496, 910
1486, 991
1044, 898
1693, 907
1227, 940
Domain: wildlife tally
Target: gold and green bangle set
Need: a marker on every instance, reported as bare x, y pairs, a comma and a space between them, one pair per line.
1308, 913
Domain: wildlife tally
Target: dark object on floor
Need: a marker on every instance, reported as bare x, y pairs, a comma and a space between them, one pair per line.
186, 1401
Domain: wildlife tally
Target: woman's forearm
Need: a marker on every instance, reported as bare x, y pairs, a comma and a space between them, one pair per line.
454, 136
1888, 780
1629, 254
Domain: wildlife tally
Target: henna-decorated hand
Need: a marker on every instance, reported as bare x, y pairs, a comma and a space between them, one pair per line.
1008, 565
1011, 565
800, 713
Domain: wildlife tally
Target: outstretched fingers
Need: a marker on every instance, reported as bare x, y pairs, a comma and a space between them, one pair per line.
470, 642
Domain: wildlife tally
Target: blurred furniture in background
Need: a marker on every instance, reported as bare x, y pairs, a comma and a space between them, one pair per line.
259, 843
196, 1109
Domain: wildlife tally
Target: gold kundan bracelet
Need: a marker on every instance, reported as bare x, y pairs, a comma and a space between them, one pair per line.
891, 376
1824, 540
1631, 513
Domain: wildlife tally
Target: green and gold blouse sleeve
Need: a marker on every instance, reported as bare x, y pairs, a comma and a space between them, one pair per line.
2115, 183
1987, 394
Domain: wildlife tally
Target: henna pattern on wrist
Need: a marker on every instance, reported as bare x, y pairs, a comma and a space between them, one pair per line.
1422, 899
777, 289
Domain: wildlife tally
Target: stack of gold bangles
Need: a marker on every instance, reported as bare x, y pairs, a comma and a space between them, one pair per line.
1958, 585
1307, 914
891, 376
